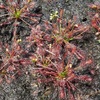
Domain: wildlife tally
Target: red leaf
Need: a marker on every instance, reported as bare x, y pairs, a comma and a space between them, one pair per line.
10, 68
24, 62
61, 93
1, 80
85, 78
2, 6
88, 62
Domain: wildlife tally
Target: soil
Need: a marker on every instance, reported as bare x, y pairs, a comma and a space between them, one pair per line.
25, 88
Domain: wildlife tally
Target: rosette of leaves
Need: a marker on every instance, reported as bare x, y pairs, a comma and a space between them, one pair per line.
67, 30
17, 16
13, 61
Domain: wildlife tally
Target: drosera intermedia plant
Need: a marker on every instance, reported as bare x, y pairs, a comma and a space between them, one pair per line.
67, 30
62, 78
13, 61
17, 12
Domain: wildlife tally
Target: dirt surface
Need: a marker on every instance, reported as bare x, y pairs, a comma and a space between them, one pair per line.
25, 88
